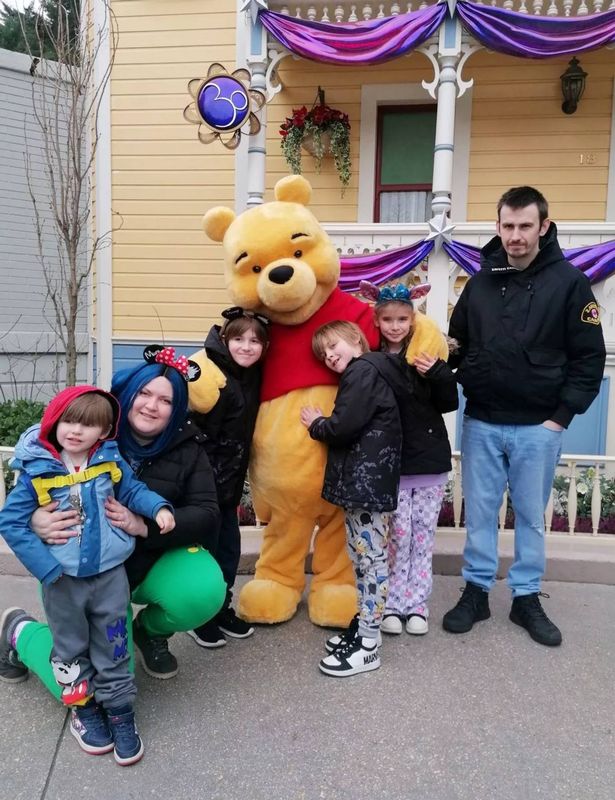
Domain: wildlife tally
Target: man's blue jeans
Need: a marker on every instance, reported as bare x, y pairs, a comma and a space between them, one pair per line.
525, 457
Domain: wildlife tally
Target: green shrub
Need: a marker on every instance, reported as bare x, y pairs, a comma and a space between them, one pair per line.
15, 417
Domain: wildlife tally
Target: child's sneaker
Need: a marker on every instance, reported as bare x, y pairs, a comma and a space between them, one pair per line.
417, 625
230, 624
89, 726
128, 747
355, 654
12, 670
391, 624
333, 642
208, 635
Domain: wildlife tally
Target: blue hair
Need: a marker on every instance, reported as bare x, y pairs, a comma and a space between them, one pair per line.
125, 386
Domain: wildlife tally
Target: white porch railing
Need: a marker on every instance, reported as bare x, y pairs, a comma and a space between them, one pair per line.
570, 466
348, 11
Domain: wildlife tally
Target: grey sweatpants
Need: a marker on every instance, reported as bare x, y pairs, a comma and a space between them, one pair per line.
87, 619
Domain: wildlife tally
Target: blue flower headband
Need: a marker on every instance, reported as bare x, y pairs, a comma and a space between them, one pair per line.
398, 293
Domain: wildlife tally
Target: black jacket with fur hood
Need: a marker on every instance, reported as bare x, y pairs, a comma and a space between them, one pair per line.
364, 435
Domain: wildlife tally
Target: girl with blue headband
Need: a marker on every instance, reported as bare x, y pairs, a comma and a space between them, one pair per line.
426, 454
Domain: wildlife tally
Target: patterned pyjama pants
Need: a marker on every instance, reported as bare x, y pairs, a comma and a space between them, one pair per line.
411, 543
367, 533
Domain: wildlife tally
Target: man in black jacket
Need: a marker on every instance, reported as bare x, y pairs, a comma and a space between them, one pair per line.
531, 357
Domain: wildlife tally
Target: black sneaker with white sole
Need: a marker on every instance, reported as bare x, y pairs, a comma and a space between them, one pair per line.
156, 658
231, 625
354, 655
12, 670
208, 635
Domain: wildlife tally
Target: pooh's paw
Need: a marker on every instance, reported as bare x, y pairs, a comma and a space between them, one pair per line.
203, 394
267, 602
332, 605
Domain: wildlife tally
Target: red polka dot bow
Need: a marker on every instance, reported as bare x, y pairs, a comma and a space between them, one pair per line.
157, 354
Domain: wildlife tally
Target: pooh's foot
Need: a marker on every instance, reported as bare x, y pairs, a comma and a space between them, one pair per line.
332, 605
267, 601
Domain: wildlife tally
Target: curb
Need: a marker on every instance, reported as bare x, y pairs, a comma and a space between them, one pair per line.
578, 558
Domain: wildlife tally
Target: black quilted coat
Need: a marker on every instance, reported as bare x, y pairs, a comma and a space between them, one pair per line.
182, 475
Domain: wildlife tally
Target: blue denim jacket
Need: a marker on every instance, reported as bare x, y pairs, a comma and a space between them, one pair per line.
101, 546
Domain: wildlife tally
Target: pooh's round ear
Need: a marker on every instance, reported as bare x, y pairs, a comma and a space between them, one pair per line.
217, 221
293, 189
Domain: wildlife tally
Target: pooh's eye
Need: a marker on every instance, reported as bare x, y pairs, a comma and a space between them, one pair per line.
298, 253
256, 269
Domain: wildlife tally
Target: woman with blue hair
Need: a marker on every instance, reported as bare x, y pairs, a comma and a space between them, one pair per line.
173, 575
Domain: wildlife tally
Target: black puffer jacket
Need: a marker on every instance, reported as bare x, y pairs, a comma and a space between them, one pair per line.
181, 474
229, 426
364, 435
531, 344
426, 449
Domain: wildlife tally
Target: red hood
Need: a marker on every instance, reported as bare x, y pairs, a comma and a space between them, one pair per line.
58, 405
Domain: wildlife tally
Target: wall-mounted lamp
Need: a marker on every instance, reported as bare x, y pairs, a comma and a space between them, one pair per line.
573, 86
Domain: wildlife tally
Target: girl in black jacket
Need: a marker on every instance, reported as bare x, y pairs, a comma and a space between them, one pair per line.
237, 349
362, 476
430, 391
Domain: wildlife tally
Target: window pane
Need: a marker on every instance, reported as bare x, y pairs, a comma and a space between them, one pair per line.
407, 147
405, 206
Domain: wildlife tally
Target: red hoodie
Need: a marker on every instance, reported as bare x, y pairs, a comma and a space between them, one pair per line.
291, 364
58, 406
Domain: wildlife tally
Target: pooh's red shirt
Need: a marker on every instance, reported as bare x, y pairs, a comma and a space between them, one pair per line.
290, 363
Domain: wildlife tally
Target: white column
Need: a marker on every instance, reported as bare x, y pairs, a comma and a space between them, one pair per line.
257, 62
449, 52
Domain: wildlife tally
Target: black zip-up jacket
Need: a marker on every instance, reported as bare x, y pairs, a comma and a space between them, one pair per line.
229, 426
532, 347
364, 435
426, 449
181, 474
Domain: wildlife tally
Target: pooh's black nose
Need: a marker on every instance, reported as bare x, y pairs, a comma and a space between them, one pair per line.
281, 274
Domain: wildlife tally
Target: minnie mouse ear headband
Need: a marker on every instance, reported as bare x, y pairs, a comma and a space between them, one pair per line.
398, 293
236, 312
157, 354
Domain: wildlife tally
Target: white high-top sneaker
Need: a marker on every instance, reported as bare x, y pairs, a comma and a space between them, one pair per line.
355, 654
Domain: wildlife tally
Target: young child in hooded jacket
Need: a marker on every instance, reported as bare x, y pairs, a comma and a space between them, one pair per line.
431, 390
237, 349
71, 458
363, 435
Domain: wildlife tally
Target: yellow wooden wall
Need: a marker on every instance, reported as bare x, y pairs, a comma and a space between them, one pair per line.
163, 178
520, 134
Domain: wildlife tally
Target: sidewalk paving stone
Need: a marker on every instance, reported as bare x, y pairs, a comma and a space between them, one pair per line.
485, 715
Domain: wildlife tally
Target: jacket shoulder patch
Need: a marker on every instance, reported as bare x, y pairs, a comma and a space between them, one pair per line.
591, 314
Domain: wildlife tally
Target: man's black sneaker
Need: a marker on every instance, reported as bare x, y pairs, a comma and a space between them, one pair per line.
12, 670
208, 635
89, 726
156, 658
128, 747
473, 606
230, 624
527, 612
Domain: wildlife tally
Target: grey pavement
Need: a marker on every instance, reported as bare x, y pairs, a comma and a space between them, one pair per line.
485, 715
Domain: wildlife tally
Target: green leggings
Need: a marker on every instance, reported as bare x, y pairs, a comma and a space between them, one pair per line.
183, 590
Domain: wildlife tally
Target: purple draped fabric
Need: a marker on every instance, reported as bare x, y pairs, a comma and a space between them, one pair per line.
354, 43
381, 267
530, 36
597, 261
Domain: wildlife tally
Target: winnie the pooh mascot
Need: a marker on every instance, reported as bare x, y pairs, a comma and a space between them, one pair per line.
280, 262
